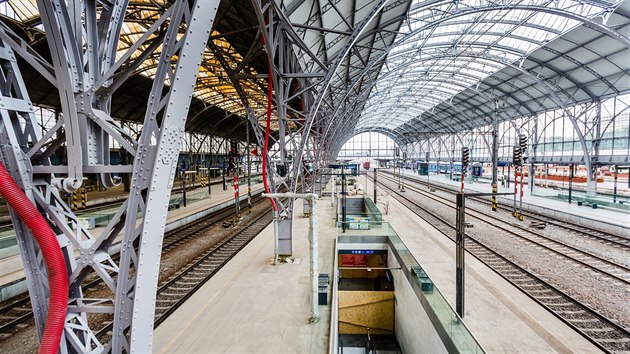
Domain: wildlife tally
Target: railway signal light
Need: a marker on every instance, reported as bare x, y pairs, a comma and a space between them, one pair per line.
517, 155
465, 157
522, 142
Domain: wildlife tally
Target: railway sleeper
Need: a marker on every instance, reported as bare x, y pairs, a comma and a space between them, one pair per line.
194, 279
183, 289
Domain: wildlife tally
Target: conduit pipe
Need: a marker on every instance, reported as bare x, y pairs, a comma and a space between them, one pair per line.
53, 258
265, 153
332, 194
313, 246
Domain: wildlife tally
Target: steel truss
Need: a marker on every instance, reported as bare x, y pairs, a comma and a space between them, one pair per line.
301, 76
83, 37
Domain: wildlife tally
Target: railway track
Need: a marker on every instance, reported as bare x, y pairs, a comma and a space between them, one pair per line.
614, 271
583, 231
598, 329
175, 291
18, 312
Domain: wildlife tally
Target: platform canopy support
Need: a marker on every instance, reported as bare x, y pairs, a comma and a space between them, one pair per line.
87, 69
303, 64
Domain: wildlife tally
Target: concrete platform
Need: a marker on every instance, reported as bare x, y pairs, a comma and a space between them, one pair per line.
12, 271
251, 306
501, 317
614, 220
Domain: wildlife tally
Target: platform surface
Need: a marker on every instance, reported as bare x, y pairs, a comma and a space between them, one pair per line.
251, 306
612, 216
11, 268
501, 317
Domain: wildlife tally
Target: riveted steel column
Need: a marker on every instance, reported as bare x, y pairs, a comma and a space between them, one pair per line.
154, 169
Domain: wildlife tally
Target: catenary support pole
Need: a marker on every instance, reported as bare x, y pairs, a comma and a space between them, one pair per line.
249, 171
615, 186
459, 254
495, 159
343, 199
571, 182
184, 188
375, 179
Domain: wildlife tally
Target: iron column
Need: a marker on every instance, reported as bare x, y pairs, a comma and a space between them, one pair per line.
495, 158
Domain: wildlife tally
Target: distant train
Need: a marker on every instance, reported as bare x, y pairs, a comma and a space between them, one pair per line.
444, 167
476, 169
425, 168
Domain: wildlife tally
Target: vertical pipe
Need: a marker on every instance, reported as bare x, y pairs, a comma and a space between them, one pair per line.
507, 182
402, 178
313, 248
428, 169
184, 188
249, 170
495, 159
209, 185
515, 186
276, 235
332, 192
237, 206
343, 200
615, 186
375, 179
571, 182
520, 205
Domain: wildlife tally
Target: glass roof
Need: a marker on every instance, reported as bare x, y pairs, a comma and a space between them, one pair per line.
213, 85
446, 48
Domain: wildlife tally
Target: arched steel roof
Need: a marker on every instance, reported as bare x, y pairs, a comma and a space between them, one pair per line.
452, 60
418, 67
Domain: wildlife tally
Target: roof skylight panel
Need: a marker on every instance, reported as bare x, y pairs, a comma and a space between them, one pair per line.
25, 9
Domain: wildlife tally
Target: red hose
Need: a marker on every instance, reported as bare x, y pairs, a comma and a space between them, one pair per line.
267, 132
53, 258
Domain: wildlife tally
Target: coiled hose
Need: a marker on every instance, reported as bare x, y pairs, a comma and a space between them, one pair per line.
53, 258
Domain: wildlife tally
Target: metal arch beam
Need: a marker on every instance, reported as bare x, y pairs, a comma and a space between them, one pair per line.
273, 35
359, 28
82, 45
538, 9
493, 87
372, 85
160, 159
446, 102
357, 105
387, 132
559, 12
548, 89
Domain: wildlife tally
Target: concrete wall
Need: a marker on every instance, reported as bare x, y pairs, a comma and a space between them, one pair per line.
414, 330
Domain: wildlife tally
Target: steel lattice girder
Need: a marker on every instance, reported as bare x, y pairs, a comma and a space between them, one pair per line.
82, 39
307, 65
452, 16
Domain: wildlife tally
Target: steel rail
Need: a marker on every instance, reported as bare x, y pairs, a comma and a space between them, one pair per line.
522, 232
608, 336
